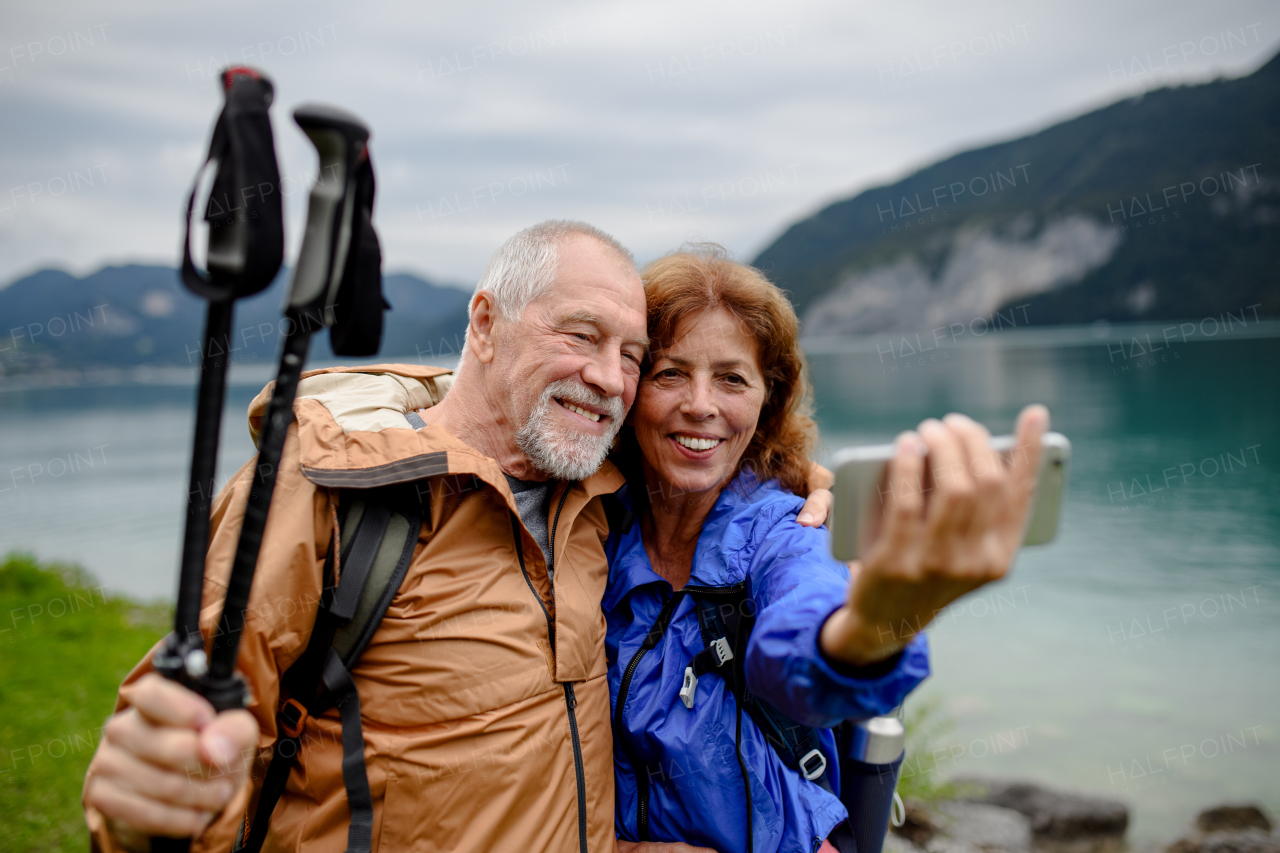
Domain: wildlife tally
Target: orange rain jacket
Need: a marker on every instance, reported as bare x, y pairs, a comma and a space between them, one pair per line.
466, 721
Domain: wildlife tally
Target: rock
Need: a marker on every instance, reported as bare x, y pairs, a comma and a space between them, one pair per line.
1229, 828
1231, 817
982, 269
981, 826
894, 843
942, 844
919, 824
1240, 841
1061, 822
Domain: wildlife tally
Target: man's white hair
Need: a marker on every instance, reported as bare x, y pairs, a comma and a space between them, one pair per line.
526, 265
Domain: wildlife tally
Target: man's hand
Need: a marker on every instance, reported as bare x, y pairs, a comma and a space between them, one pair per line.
168, 764
659, 847
817, 506
929, 552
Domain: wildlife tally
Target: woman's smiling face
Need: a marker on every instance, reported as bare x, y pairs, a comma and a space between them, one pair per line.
696, 409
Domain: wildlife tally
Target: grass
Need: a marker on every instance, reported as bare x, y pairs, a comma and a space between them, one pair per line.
927, 723
65, 646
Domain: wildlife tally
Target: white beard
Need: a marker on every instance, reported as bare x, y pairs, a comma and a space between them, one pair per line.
563, 452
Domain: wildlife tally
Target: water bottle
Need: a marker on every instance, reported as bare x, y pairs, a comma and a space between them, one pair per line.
871, 753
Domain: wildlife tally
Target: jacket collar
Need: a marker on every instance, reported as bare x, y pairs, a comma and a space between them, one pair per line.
717, 560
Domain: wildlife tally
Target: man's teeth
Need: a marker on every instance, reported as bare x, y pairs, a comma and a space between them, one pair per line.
697, 443
591, 416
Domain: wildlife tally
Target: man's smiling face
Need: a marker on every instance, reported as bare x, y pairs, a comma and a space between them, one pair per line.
571, 363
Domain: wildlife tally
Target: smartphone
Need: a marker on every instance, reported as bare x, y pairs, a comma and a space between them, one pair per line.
861, 492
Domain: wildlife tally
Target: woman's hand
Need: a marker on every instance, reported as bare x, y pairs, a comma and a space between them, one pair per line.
943, 533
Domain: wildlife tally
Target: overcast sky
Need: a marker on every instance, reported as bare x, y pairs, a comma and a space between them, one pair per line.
659, 122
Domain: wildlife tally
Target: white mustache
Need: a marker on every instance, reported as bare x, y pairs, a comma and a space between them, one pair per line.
579, 394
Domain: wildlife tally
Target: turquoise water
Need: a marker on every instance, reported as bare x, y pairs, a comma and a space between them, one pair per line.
1138, 655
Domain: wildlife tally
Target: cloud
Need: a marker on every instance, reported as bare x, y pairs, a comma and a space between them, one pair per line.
660, 122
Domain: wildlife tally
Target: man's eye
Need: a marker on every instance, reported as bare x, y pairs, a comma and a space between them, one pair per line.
582, 337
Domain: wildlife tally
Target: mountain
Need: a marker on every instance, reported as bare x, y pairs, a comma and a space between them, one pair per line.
143, 315
1163, 206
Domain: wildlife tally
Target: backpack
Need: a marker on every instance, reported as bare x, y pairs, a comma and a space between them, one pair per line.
378, 529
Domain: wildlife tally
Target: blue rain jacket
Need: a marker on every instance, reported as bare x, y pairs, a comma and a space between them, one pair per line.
696, 793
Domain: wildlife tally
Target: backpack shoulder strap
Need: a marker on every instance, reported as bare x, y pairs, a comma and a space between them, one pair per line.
726, 616
378, 533
616, 513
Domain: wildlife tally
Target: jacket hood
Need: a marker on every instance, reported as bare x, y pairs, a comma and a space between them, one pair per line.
363, 399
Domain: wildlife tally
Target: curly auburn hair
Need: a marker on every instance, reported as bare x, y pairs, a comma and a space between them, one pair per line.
701, 277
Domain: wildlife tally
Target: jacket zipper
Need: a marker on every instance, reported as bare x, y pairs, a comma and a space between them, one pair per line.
656, 631
570, 700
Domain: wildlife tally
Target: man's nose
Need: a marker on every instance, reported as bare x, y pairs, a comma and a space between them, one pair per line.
604, 372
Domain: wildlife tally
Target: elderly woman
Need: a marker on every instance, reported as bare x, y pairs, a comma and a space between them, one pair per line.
717, 452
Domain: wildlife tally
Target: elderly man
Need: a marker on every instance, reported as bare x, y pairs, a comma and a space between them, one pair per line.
483, 694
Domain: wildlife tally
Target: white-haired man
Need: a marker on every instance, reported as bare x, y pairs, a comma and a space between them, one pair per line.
483, 698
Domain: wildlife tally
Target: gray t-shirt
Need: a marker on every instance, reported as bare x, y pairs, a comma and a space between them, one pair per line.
533, 503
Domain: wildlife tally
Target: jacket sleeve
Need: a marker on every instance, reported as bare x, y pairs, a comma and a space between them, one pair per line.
796, 585
281, 612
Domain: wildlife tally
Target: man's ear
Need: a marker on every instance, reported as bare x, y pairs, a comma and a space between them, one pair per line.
480, 329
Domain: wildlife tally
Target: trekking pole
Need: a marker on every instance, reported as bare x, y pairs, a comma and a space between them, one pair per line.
339, 259
245, 248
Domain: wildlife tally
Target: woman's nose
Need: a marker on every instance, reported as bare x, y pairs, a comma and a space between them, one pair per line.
699, 403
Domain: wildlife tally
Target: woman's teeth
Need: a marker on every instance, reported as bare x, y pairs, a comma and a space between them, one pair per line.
591, 416
697, 443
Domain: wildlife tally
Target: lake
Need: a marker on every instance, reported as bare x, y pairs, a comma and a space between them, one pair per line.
1137, 656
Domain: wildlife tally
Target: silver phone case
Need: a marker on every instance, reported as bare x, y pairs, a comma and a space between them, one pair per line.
858, 492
